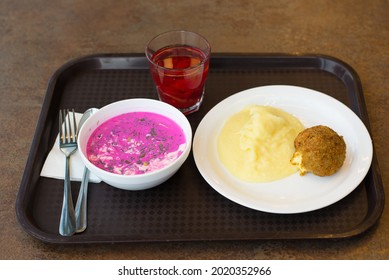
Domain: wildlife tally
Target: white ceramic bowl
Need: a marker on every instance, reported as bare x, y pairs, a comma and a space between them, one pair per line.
140, 181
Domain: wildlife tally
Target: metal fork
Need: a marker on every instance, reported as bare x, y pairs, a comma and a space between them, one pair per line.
68, 145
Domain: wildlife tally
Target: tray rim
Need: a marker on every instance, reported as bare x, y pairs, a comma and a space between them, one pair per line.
374, 174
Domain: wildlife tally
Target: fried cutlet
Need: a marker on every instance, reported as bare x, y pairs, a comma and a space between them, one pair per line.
319, 150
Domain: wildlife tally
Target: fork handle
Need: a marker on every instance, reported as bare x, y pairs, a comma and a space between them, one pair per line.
81, 205
67, 224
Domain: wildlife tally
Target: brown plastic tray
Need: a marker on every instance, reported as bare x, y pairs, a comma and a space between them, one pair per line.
186, 208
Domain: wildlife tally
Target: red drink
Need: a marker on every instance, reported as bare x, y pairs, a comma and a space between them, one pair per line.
180, 72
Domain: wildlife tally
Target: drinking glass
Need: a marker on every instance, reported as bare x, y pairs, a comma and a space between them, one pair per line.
179, 63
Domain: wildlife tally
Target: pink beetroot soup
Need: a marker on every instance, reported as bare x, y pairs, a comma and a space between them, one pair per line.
136, 143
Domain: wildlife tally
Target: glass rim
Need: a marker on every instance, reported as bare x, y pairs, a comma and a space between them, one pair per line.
207, 50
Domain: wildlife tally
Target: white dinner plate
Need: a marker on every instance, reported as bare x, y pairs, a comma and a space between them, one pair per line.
295, 193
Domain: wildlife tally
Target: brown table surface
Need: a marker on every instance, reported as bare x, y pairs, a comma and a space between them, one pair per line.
37, 37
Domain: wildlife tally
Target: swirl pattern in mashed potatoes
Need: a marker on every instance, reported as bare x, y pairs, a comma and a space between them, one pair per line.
256, 144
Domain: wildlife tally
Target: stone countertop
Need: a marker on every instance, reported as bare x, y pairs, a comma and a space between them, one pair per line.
37, 37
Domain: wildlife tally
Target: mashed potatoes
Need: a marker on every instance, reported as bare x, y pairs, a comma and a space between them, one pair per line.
256, 144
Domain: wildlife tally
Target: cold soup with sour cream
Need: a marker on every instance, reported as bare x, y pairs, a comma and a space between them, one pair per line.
136, 143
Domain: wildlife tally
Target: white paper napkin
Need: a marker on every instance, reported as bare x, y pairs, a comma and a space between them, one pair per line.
54, 166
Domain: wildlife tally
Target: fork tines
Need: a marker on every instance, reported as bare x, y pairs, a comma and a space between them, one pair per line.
67, 126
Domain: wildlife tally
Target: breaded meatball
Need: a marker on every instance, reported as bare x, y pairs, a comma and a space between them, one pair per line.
319, 150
